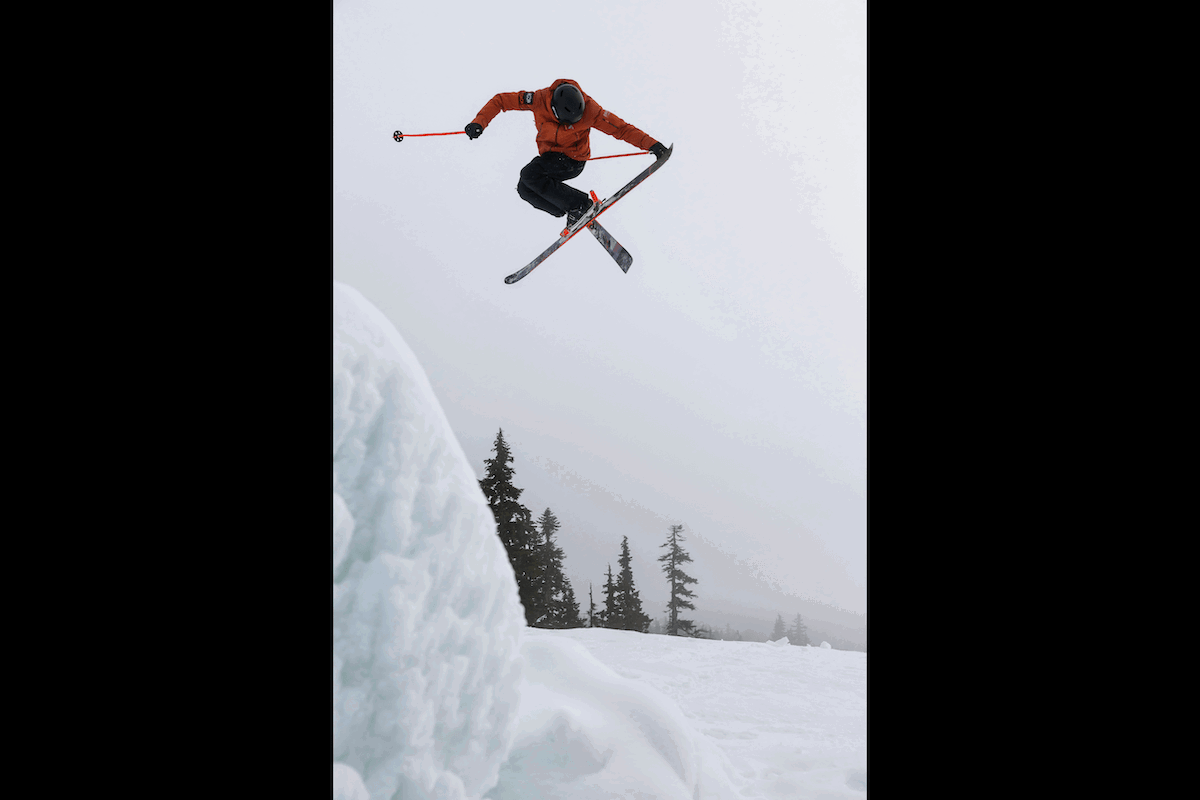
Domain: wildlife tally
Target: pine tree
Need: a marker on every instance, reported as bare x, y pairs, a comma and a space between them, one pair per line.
632, 617
610, 617
778, 632
798, 635
671, 561
550, 584
591, 607
570, 607
514, 525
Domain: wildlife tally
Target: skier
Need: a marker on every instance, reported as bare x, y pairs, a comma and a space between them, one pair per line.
564, 117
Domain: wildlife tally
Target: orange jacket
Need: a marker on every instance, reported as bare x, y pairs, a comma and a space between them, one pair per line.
571, 140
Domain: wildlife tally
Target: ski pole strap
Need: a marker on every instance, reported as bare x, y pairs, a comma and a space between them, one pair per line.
399, 137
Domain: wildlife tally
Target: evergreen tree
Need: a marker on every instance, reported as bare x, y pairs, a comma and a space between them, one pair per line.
798, 635
671, 561
778, 632
630, 605
610, 617
553, 603
514, 525
570, 607
591, 607
550, 586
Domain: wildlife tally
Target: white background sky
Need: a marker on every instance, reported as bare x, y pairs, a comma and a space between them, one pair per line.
722, 382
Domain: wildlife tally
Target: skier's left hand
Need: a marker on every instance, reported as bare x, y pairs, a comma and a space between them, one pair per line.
474, 130
659, 150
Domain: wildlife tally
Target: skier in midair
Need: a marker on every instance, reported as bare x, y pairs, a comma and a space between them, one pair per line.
564, 116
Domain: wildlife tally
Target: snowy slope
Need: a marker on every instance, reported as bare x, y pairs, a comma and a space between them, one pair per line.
784, 722
427, 620
440, 690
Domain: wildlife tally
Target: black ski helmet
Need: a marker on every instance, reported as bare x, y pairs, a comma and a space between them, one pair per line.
567, 104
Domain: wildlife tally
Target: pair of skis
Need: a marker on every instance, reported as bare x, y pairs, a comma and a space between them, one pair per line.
588, 220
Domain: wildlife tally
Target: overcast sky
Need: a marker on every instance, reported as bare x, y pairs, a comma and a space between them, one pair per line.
721, 383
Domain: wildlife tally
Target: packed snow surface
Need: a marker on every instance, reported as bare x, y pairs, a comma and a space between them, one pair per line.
441, 692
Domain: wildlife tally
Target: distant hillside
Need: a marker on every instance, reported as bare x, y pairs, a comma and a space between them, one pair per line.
748, 629
842, 629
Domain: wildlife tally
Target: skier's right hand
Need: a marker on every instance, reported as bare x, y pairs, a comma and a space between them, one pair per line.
474, 130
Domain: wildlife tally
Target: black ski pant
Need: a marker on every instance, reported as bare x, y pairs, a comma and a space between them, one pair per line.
542, 184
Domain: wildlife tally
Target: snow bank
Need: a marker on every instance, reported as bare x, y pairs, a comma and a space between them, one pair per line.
427, 620
782, 641
826, 645
587, 733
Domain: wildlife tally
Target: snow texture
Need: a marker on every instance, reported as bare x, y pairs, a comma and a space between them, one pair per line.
347, 784
427, 620
826, 645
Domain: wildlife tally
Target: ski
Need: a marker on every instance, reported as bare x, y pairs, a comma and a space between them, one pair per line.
609, 242
614, 248
586, 219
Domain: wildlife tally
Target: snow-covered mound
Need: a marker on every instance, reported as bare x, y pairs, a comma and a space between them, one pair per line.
427, 621
780, 642
826, 645
588, 733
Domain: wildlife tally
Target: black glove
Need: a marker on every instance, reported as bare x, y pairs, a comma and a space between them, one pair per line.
659, 150
474, 130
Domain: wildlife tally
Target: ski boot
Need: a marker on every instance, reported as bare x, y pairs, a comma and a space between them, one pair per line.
576, 214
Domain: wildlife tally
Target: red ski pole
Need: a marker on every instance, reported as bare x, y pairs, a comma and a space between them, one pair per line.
621, 155
399, 137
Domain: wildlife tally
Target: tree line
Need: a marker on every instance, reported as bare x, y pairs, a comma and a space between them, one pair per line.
547, 594
537, 563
